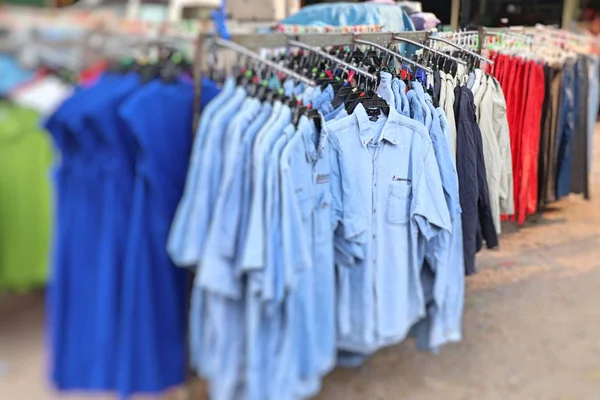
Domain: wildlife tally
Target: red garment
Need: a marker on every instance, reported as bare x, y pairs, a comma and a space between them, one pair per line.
521, 145
91, 74
538, 82
523, 85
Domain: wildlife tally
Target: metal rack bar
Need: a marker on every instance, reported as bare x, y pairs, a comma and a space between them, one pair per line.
280, 39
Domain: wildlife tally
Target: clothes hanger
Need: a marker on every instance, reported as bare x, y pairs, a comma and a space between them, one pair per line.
429, 49
263, 61
392, 53
461, 48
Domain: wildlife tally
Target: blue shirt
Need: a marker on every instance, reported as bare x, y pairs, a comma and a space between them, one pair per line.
444, 257
211, 169
274, 285
418, 88
263, 326
254, 252
218, 273
183, 244
308, 256
417, 112
399, 89
400, 190
385, 88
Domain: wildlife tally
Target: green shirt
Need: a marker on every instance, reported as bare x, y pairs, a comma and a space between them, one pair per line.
25, 199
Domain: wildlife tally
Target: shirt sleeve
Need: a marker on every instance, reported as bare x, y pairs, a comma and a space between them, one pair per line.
176, 244
430, 211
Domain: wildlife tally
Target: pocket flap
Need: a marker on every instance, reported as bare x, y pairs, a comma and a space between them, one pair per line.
401, 190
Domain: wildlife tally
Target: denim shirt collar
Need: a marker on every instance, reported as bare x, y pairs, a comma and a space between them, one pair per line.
390, 132
419, 91
309, 130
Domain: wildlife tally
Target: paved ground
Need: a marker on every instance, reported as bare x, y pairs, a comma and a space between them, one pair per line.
531, 327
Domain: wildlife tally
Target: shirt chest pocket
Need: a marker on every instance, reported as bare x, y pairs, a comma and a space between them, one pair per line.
398, 202
317, 214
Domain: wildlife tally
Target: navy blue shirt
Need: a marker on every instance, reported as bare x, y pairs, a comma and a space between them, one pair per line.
474, 196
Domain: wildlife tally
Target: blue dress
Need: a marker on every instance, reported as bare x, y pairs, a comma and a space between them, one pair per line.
115, 159
159, 117
71, 289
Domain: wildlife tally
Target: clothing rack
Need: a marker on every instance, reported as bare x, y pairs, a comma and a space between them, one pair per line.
245, 44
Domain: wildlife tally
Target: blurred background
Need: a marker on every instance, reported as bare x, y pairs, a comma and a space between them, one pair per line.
531, 319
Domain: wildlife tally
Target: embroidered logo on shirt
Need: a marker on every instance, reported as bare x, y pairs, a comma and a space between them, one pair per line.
322, 178
398, 179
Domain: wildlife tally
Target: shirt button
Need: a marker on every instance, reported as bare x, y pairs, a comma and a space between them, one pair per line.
374, 236
374, 211
324, 205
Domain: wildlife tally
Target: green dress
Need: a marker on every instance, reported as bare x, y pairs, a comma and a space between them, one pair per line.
25, 199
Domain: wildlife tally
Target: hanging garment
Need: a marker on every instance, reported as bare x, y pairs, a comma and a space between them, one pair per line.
76, 251
545, 137
25, 200
579, 170
566, 128
501, 130
396, 208
593, 104
12, 74
159, 118
477, 219
529, 145
484, 101
43, 95
116, 302
442, 290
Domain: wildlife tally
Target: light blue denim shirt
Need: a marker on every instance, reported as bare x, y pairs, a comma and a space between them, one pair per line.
274, 286
399, 89
250, 143
264, 328
444, 254
326, 96
400, 189
418, 88
384, 90
452, 311
210, 172
417, 112
182, 246
217, 273
254, 252
305, 165
288, 87
310, 93
329, 113
238, 203
342, 114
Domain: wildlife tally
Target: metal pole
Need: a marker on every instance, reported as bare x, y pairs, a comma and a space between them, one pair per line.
568, 11
455, 14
